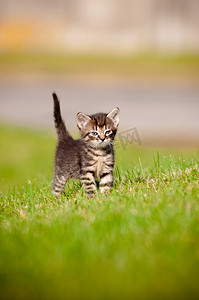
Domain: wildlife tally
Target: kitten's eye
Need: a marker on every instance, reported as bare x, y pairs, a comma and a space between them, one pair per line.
107, 132
94, 133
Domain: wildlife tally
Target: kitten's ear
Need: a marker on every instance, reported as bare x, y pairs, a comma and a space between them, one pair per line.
82, 120
114, 116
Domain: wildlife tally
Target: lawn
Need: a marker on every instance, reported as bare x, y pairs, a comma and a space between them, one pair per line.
140, 67
139, 242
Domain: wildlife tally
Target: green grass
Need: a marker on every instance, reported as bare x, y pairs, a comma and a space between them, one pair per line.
150, 66
24, 154
139, 242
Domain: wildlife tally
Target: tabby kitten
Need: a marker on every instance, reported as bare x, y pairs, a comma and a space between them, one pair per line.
89, 158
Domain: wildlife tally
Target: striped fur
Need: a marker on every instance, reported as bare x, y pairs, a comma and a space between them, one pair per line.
90, 158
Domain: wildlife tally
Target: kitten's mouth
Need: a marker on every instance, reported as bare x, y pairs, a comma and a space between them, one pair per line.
102, 144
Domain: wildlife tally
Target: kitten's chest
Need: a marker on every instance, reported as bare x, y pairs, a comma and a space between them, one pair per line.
99, 162
99, 167
103, 165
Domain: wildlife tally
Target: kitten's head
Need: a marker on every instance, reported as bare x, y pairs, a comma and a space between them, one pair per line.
98, 130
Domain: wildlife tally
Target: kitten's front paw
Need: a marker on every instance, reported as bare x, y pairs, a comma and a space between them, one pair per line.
105, 189
90, 195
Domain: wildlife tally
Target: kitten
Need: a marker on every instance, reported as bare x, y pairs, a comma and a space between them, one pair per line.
89, 158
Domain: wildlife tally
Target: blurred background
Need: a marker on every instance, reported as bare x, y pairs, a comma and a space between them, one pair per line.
139, 55
142, 56
113, 26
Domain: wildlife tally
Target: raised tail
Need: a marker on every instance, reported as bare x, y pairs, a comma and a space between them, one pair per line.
62, 132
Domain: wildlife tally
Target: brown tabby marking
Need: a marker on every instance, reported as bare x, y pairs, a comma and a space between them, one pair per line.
89, 158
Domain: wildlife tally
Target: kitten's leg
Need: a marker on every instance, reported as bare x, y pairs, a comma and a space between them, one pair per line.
88, 182
106, 182
59, 184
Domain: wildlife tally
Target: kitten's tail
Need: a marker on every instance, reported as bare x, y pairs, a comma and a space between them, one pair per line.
62, 132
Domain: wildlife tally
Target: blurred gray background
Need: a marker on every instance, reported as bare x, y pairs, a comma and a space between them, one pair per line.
100, 25
68, 47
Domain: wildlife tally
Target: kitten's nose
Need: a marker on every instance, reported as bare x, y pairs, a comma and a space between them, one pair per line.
102, 138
